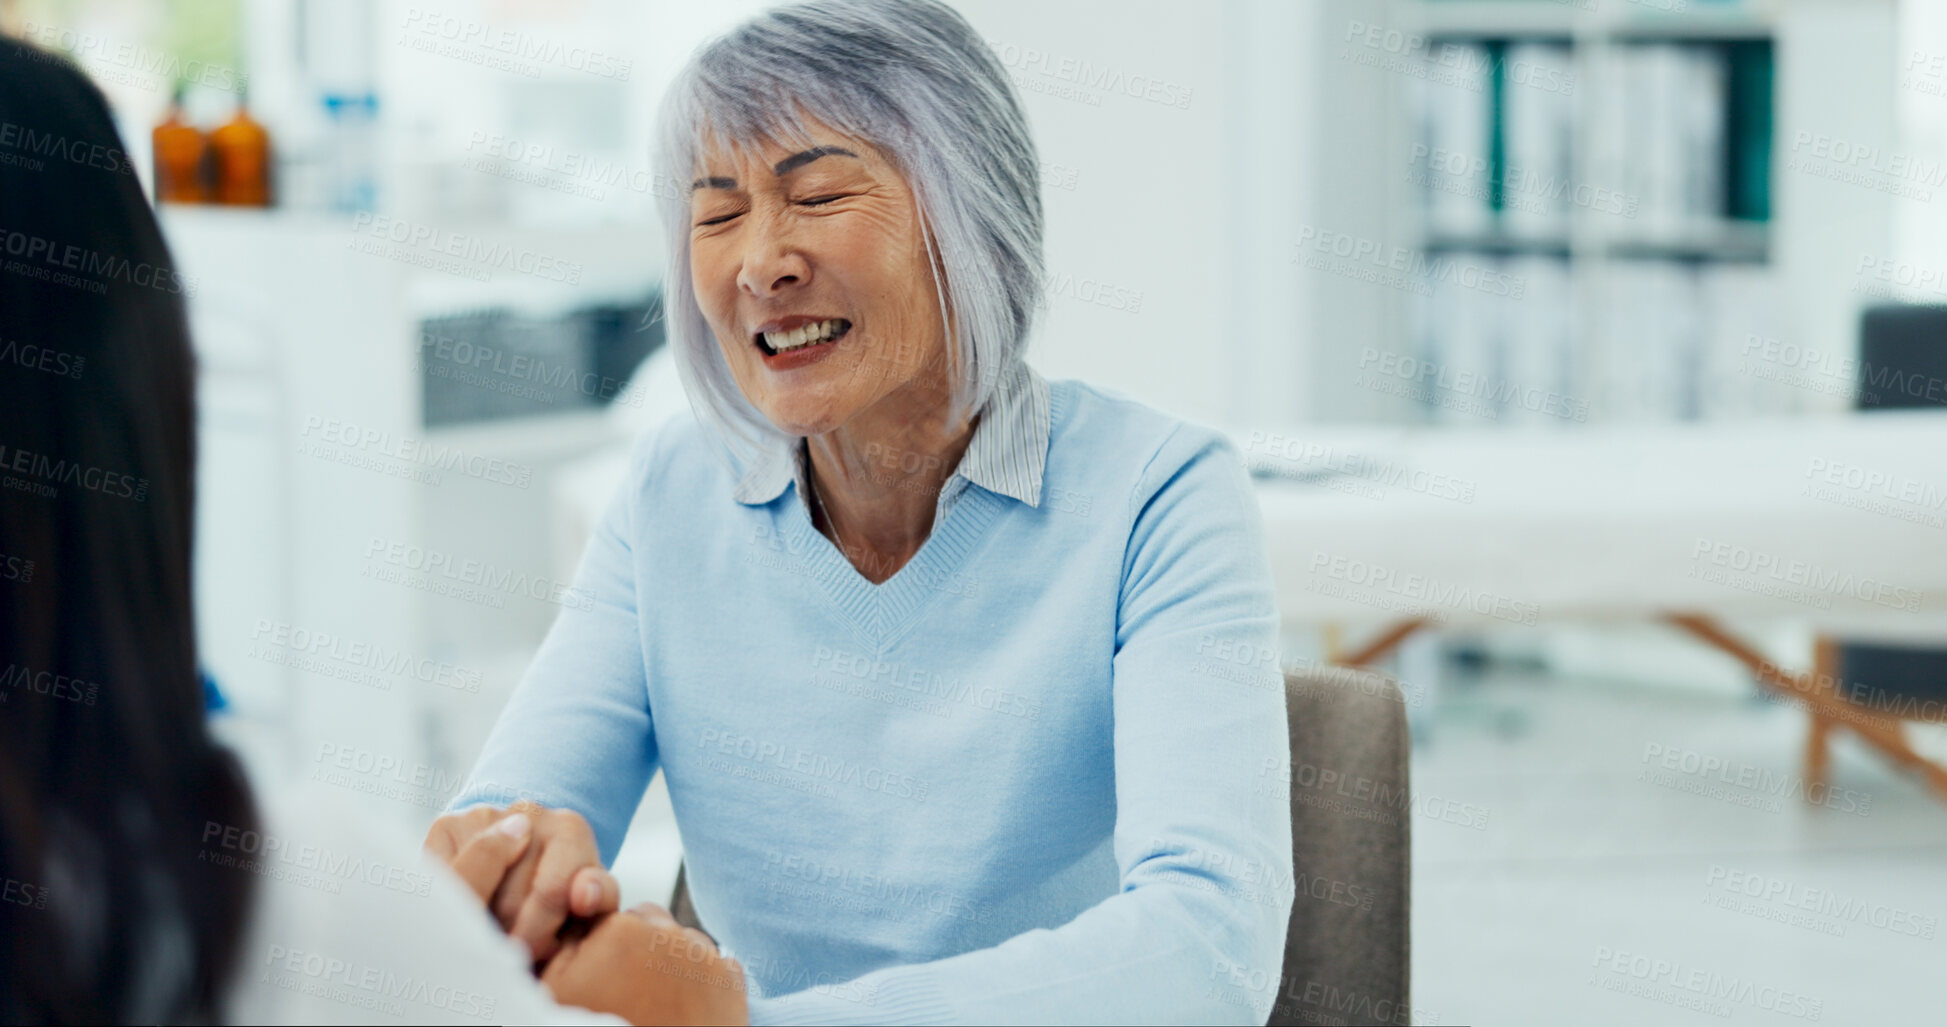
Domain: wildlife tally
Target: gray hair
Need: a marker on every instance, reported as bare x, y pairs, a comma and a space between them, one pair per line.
912, 78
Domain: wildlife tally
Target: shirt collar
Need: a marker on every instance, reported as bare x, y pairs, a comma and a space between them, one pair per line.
1007, 454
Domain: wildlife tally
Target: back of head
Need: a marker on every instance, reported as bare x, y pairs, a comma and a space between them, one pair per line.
108, 775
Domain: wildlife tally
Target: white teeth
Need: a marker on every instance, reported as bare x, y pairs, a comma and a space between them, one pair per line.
803, 335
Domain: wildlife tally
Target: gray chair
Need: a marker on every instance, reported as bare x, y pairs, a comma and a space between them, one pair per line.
1347, 951
1902, 366
1347, 964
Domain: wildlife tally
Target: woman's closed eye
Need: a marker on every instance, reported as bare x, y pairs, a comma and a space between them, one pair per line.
815, 201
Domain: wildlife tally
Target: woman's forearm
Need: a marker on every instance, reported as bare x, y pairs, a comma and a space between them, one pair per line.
577, 732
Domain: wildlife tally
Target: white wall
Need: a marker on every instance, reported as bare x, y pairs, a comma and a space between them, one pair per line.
1920, 231
1164, 205
1168, 222
1834, 79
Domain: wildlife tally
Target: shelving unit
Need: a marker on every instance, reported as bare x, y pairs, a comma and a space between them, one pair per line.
314, 574
1658, 315
1834, 72
1626, 162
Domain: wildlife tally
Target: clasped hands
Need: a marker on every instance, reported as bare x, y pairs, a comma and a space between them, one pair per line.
538, 871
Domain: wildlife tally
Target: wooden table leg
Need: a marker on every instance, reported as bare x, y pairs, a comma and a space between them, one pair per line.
1818, 752
1334, 639
1387, 641
1881, 733
1818, 733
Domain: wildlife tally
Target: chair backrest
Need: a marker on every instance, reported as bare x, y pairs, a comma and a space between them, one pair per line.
1902, 364
1348, 954
1903, 681
1902, 357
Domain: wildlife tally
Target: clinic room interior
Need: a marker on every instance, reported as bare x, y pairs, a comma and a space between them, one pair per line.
973, 511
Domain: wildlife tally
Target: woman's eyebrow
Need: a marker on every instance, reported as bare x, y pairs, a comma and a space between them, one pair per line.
783, 167
798, 160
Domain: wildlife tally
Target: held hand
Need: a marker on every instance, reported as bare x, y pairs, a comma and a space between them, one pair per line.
557, 872
485, 858
641, 966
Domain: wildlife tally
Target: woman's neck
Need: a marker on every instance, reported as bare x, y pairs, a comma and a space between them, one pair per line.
877, 478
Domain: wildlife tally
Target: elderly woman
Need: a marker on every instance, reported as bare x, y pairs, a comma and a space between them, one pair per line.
960, 678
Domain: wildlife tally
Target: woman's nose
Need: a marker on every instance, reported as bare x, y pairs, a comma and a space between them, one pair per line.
771, 264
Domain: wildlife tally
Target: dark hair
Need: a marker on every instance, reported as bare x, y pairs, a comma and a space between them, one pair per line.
108, 772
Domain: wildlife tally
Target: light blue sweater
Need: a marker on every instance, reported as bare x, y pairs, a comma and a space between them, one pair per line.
1021, 781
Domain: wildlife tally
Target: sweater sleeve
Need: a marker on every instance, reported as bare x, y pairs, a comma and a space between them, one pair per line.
1203, 851
577, 733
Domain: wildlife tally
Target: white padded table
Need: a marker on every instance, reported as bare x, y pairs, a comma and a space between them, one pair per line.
1839, 521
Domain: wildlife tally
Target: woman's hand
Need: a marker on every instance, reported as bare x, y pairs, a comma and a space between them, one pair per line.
483, 861
642, 966
533, 875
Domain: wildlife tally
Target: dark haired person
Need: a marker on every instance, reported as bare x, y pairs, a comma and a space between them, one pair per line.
141, 881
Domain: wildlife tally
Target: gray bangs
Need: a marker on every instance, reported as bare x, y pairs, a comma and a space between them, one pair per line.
913, 79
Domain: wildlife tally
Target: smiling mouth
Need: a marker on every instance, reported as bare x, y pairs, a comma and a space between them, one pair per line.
773, 343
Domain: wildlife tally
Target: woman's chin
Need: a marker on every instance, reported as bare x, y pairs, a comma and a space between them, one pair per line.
803, 418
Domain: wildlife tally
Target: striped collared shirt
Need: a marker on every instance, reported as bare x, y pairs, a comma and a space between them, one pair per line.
1007, 454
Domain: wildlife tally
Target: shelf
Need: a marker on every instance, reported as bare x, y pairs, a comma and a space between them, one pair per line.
1697, 25
1480, 19
1730, 241
1589, 20
531, 436
1499, 242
